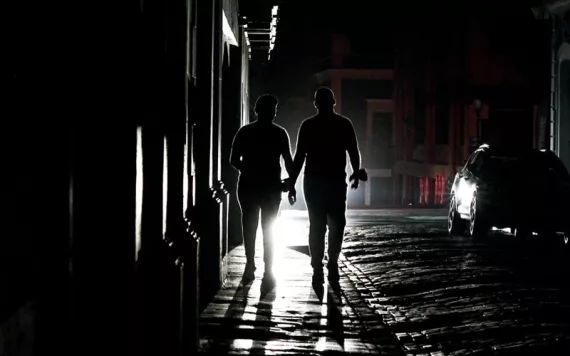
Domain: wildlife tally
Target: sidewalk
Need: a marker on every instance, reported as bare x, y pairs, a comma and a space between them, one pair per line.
290, 319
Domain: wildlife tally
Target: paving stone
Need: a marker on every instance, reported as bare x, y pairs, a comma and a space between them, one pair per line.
290, 319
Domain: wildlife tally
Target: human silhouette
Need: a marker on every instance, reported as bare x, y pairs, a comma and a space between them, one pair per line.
256, 153
322, 143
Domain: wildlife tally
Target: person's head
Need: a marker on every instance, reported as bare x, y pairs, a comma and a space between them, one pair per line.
266, 107
324, 99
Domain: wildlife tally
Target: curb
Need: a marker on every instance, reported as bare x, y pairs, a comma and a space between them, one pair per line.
372, 301
355, 295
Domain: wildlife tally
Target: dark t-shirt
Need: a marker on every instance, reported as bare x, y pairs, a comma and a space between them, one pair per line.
325, 139
260, 146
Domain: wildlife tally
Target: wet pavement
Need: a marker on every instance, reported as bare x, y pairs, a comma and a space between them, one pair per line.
439, 295
457, 295
290, 318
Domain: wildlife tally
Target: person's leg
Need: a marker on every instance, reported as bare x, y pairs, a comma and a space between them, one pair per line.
249, 221
315, 201
336, 214
269, 211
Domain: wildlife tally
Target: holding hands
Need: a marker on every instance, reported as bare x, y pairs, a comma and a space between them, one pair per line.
287, 186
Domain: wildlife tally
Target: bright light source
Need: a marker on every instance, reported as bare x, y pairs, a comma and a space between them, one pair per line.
242, 344
506, 229
274, 22
287, 231
164, 184
274, 10
464, 192
138, 193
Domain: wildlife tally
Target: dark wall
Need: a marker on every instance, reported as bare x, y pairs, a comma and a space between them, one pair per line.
17, 203
354, 95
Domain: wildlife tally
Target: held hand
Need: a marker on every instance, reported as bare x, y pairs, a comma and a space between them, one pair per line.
292, 197
285, 185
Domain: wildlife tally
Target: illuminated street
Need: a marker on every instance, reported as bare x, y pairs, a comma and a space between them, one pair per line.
462, 296
417, 291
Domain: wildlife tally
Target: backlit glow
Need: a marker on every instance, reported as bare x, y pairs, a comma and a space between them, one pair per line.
164, 184
242, 344
273, 29
185, 184
287, 232
138, 194
464, 191
506, 229
227, 30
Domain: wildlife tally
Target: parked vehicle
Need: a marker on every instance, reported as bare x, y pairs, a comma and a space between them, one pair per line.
525, 190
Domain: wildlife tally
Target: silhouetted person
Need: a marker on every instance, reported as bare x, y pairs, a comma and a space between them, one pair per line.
256, 153
322, 143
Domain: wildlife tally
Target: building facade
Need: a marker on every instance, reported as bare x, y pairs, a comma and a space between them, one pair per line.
363, 87
133, 182
455, 91
554, 122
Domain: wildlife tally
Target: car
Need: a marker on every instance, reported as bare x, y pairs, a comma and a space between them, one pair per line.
526, 190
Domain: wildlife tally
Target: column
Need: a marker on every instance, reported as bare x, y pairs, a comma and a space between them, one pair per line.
405, 188
219, 232
367, 192
205, 216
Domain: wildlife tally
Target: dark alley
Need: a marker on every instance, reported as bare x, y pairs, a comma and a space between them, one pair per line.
288, 177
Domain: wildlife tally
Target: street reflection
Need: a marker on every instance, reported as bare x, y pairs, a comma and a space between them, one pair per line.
290, 317
289, 230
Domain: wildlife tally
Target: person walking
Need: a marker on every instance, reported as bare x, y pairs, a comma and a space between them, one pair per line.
322, 143
256, 153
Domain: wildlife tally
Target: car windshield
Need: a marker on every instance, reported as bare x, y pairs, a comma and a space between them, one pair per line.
534, 166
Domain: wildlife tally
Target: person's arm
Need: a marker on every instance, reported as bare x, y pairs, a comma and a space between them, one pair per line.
287, 158
237, 151
352, 148
300, 154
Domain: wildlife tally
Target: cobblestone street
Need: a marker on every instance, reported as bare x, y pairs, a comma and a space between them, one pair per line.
459, 296
409, 288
